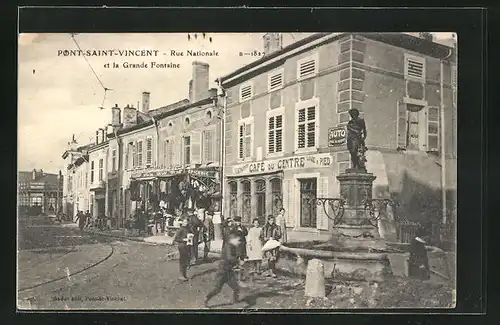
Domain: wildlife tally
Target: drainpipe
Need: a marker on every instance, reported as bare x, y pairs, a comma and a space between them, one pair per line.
443, 142
223, 96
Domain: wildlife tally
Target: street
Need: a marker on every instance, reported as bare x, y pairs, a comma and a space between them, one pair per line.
59, 269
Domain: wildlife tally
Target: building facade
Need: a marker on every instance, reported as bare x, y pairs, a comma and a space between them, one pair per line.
39, 192
286, 116
145, 156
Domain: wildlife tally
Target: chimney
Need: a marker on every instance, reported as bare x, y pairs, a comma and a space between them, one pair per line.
272, 42
115, 116
191, 90
34, 174
200, 81
103, 135
145, 102
129, 116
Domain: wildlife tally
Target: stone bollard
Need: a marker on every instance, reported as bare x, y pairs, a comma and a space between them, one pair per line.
315, 279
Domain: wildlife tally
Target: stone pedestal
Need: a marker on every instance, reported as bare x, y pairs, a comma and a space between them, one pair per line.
355, 187
315, 279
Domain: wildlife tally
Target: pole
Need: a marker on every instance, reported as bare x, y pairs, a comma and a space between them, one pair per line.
57, 192
443, 142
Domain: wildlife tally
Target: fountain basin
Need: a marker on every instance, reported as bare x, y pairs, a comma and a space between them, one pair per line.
360, 264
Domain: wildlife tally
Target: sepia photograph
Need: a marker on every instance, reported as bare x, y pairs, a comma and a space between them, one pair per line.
207, 171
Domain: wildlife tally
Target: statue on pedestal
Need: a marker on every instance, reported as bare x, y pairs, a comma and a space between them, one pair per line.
356, 135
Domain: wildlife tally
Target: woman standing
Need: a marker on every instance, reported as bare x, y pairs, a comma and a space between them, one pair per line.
418, 262
254, 245
281, 222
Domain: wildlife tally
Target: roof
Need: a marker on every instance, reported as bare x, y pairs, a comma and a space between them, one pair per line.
27, 176
167, 113
402, 40
163, 109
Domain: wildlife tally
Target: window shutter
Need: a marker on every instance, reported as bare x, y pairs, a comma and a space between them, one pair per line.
245, 92
279, 133
271, 133
402, 125
149, 152
248, 140
241, 135
322, 218
196, 148
432, 128
287, 202
208, 146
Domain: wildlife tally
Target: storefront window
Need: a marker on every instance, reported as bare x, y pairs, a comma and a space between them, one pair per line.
247, 202
233, 199
260, 196
307, 210
277, 195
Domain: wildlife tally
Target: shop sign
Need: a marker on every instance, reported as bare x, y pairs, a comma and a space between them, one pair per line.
336, 136
290, 163
172, 172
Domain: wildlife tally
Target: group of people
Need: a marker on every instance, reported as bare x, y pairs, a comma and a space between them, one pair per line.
240, 247
85, 220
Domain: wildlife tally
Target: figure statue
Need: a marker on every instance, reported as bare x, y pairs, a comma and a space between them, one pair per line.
356, 135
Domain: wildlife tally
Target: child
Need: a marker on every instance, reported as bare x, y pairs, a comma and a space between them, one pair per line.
419, 262
184, 240
254, 247
271, 231
225, 272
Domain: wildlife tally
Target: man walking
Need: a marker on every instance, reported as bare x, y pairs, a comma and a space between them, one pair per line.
196, 227
208, 233
225, 272
184, 240
80, 217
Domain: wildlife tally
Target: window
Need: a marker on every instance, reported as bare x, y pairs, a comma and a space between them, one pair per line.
187, 150
307, 67
246, 92
245, 135
139, 154
113, 160
149, 152
168, 153
233, 199
308, 188
277, 195
275, 134
247, 202
414, 67
260, 197
101, 169
187, 121
208, 146
306, 119
208, 116
275, 80
433, 129
86, 179
92, 171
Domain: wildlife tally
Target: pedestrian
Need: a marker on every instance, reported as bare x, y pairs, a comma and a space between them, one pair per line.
281, 222
88, 219
208, 233
254, 245
80, 217
418, 261
226, 228
196, 226
184, 240
225, 271
271, 231
242, 231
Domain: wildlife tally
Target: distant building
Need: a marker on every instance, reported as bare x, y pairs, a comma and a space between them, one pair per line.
37, 192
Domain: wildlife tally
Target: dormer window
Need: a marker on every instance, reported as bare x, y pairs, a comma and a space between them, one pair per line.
186, 122
307, 67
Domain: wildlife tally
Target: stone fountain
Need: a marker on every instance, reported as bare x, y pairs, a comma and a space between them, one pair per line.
355, 250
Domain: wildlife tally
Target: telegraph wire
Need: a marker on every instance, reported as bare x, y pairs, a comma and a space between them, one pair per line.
92, 69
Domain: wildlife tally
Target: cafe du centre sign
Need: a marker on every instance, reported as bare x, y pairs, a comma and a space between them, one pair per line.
289, 163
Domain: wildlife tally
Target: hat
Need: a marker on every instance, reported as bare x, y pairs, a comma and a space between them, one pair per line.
354, 111
237, 218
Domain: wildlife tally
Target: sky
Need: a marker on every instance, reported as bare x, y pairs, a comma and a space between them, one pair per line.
59, 95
